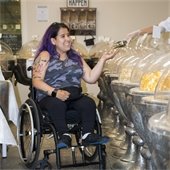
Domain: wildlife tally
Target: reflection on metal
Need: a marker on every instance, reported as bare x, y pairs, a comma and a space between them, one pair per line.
4, 91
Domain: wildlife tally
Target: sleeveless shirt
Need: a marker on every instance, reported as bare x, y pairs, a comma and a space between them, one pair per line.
61, 74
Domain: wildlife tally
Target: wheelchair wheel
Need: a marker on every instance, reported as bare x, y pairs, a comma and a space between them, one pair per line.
28, 133
90, 152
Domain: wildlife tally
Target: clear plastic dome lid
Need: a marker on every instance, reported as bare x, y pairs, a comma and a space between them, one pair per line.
159, 123
80, 48
146, 41
133, 41
162, 90
28, 50
98, 48
141, 66
140, 41
154, 101
113, 64
6, 55
135, 54
5, 52
152, 74
125, 69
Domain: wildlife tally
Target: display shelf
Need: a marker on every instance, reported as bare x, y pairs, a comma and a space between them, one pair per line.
81, 21
10, 24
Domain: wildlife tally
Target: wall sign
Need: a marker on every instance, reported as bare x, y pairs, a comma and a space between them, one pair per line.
78, 3
42, 13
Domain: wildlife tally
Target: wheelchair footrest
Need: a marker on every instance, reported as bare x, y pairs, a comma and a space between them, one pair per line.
81, 146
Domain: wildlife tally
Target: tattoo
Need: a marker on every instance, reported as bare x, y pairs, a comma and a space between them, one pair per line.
39, 67
44, 60
40, 64
36, 77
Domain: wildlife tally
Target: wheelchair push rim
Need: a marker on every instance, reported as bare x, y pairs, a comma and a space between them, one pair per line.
28, 133
91, 152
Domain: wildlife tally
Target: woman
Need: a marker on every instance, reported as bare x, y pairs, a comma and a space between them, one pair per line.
57, 74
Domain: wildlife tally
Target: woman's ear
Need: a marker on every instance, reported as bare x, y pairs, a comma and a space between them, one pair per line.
53, 41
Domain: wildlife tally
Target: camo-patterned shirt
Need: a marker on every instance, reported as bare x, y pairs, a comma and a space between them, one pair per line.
61, 74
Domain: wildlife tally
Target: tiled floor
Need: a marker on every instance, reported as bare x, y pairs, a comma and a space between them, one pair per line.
13, 160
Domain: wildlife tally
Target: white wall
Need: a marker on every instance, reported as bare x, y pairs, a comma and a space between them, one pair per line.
169, 8
115, 18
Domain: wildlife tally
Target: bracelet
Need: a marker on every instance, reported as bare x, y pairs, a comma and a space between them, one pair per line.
54, 93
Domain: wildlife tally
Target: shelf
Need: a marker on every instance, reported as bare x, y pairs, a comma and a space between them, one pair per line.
81, 21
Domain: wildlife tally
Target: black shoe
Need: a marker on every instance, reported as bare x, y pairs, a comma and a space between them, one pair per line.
64, 142
95, 139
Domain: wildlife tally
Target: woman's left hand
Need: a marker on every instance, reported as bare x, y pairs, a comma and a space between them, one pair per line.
109, 54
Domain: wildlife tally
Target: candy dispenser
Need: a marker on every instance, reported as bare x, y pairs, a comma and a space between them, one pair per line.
162, 90
80, 48
159, 101
148, 82
7, 60
120, 90
97, 50
140, 112
24, 60
159, 127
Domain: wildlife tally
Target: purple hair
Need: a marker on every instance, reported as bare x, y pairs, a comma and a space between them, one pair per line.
46, 44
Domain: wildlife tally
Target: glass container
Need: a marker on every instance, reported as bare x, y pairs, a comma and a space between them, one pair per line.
96, 51
113, 64
125, 69
152, 74
27, 54
159, 126
151, 68
98, 48
28, 50
159, 101
162, 90
159, 123
142, 65
7, 60
80, 48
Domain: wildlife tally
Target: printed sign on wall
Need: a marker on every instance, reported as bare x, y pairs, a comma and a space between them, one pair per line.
78, 3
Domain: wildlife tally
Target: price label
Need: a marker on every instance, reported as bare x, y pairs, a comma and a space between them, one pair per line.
156, 33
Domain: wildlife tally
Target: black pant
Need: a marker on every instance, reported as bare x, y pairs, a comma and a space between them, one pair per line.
56, 109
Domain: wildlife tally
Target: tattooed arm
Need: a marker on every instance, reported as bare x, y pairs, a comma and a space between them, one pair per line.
39, 69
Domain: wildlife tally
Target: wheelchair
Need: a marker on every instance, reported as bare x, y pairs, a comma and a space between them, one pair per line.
34, 124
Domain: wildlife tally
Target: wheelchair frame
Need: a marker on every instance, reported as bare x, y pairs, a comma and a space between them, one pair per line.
33, 123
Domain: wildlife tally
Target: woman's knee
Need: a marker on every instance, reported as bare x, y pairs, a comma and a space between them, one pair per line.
87, 103
90, 100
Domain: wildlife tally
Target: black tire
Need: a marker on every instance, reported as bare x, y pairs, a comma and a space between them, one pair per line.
90, 152
28, 133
